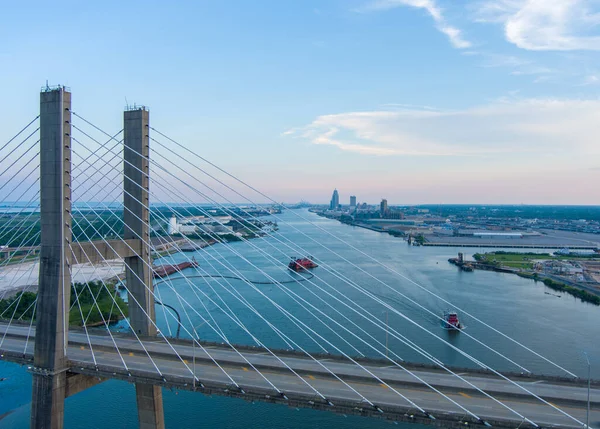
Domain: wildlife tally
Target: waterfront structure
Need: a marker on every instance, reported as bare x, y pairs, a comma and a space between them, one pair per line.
335, 200
383, 208
173, 229
353, 201
187, 229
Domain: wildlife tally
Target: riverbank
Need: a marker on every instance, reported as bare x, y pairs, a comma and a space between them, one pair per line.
24, 277
583, 292
434, 236
506, 245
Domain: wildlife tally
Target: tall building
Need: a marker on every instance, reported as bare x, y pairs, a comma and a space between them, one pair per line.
335, 200
173, 228
383, 208
352, 201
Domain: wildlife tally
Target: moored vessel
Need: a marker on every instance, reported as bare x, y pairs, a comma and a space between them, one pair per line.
166, 270
301, 264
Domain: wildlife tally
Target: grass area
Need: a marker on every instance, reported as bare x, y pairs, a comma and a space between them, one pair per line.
18, 306
525, 260
513, 260
95, 302
92, 302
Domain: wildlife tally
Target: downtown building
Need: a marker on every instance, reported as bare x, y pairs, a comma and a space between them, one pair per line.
335, 200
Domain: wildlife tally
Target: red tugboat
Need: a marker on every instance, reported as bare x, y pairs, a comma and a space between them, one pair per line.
167, 270
301, 264
451, 322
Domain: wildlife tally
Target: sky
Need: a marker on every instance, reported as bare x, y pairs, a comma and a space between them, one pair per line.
416, 101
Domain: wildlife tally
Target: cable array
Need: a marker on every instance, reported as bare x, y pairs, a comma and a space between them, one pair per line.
189, 204
235, 288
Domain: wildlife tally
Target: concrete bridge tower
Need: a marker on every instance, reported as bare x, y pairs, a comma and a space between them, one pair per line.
54, 291
52, 381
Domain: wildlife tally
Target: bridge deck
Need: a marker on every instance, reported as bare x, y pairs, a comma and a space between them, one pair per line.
570, 397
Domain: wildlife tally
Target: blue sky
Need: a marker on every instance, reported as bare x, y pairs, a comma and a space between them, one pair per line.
418, 101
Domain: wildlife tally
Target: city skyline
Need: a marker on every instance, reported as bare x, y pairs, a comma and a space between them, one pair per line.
481, 110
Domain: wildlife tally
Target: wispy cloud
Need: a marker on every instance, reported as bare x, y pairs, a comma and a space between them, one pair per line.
409, 106
519, 66
543, 25
498, 60
454, 34
591, 79
506, 127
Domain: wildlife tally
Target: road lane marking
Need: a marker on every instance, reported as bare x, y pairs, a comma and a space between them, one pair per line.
82, 348
244, 368
464, 394
311, 377
185, 361
383, 385
130, 353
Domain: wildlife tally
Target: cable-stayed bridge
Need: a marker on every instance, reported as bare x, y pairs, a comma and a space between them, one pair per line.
91, 208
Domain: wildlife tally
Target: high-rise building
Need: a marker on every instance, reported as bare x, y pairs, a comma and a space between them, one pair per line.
335, 200
352, 201
383, 208
173, 228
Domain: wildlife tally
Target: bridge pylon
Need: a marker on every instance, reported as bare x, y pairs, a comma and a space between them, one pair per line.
138, 276
54, 291
52, 379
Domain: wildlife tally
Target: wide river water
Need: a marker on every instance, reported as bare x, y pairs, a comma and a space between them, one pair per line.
560, 329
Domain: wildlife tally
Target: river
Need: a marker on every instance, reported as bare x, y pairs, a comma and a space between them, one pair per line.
558, 328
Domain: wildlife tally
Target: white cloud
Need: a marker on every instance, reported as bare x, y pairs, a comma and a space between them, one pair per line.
508, 127
542, 25
591, 79
455, 36
453, 33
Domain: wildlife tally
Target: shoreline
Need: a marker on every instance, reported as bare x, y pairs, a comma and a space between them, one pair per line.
466, 244
571, 243
508, 246
22, 276
584, 293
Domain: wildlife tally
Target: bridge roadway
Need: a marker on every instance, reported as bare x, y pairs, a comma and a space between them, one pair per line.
570, 396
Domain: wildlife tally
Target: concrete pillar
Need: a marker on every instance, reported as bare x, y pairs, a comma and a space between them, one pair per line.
150, 406
138, 275
136, 218
52, 314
